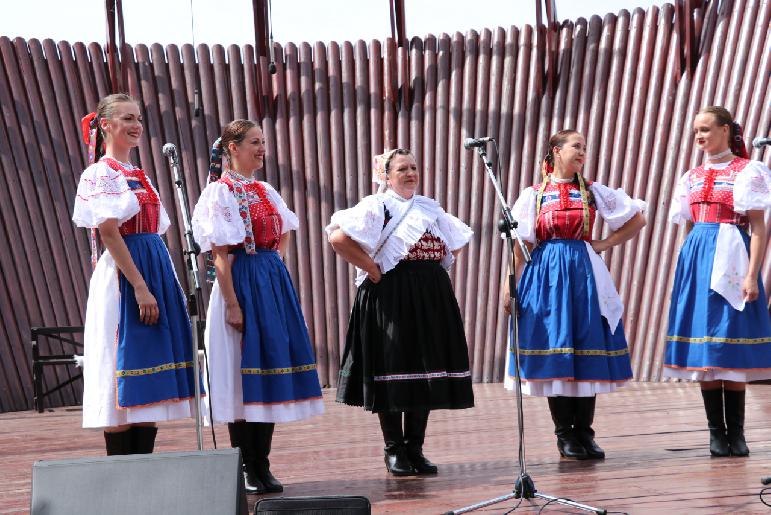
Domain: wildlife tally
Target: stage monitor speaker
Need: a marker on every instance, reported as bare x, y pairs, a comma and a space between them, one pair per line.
184, 483
337, 505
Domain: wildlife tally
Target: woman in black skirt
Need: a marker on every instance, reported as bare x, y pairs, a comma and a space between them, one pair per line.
405, 351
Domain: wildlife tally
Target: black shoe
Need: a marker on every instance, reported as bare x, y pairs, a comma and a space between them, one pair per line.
582, 427
241, 438
734, 417
252, 483
713, 406
397, 463
262, 436
395, 458
143, 439
118, 443
569, 447
271, 484
420, 463
415, 423
562, 414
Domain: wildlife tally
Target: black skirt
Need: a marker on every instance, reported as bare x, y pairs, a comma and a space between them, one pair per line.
405, 348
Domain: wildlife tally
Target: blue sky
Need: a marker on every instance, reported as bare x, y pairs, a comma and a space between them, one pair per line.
230, 21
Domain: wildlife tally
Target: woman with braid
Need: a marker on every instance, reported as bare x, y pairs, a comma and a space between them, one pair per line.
572, 343
138, 364
719, 327
261, 363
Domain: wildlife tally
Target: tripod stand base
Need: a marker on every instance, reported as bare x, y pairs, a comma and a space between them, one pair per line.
524, 488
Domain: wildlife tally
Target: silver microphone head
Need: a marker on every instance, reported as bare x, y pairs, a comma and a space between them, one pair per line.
169, 149
761, 142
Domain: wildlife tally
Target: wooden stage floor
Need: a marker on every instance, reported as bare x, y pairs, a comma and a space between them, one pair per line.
655, 437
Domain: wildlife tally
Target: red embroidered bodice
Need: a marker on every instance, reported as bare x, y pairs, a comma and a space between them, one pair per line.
147, 220
266, 221
427, 248
711, 194
562, 213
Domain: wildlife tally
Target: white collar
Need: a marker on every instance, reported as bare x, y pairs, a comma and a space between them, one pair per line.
398, 197
560, 180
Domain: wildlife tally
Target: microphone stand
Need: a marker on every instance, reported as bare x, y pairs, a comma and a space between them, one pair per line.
524, 488
194, 286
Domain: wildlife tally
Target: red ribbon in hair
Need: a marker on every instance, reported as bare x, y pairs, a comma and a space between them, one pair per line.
87, 124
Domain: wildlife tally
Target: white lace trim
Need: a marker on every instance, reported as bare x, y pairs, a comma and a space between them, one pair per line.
103, 194
615, 206
289, 220
680, 209
364, 224
523, 213
752, 188
216, 220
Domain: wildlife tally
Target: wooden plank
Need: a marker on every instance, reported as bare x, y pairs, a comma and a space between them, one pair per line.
655, 437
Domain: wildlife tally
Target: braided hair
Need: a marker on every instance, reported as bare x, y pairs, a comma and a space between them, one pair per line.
735, 133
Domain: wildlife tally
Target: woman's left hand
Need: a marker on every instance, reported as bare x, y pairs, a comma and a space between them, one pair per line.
750, 289
599, 246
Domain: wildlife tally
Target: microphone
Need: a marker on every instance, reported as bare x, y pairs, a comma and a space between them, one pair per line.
476, 142
272, 63
169, 150
760, 142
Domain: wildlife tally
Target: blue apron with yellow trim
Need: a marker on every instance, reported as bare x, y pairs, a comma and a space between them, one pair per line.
562, 334
154, 362
277, 361
705, 331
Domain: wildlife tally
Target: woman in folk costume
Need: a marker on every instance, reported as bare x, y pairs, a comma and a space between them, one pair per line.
138, 364
405, 351
719, 328
572, 342
261, 363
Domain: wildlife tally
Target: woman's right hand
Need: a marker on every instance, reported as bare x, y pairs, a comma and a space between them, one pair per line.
374, 274
234, 317
148, 306
506, 301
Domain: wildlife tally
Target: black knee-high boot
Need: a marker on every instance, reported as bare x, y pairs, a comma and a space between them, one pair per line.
582, 426
562, 409
262, 434
396, 460
713, 406
143, 439
734, 418
118, 443
241, 439
415, 423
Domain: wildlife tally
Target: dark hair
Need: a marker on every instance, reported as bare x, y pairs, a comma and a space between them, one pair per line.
735, 134
235, 132
105, 109
393, 153
557, 140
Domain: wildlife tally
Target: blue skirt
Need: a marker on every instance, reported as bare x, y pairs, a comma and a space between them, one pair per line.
154, 362
705, 331
277, 361
562, 335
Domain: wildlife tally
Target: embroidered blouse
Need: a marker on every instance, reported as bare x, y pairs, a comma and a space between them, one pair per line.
217, 219
111, 189
721, 193
391, 228
562, 214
